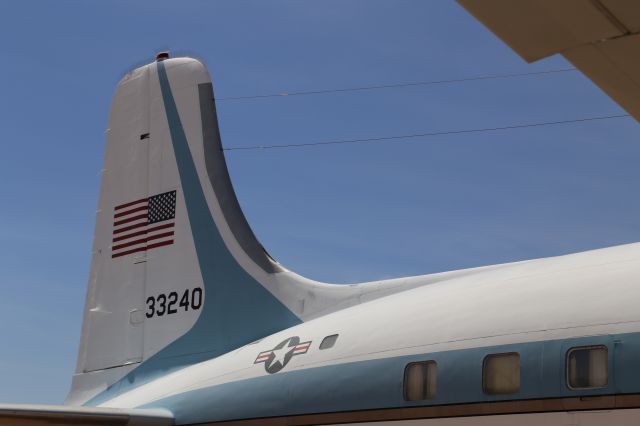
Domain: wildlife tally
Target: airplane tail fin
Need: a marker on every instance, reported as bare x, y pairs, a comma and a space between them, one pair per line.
177, 276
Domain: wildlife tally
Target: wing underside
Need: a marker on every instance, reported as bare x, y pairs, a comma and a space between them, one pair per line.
601, 38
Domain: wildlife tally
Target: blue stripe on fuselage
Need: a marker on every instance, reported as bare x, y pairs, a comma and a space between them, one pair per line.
376, 384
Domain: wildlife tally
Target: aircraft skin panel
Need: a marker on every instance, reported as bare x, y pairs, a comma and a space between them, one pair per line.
540, 307
626, 12
599, 37
536, 29
549, 299
111, 313
353, 390
613, 66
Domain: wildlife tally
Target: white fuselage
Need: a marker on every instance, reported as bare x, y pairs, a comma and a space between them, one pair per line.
575, 296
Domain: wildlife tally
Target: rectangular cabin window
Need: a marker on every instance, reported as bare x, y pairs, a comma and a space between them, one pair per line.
328, 341
420, 381
501, 373
587, 367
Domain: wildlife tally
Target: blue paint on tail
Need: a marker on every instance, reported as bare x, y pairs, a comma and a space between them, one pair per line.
237, 309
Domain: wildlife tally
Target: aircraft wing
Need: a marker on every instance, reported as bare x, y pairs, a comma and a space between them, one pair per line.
41, 415
599, 37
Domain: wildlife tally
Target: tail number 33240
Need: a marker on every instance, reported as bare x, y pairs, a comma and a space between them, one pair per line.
172, 303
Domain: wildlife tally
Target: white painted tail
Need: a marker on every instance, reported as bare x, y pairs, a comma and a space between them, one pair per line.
177, 275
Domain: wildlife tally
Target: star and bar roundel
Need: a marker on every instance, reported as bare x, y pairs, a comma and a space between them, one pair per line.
277, 358
143, 224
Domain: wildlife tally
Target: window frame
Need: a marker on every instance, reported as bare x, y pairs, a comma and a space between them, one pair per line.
484, 372
566, 366
404, 380
333, 341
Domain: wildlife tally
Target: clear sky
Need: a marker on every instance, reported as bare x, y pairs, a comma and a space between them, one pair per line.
345, 213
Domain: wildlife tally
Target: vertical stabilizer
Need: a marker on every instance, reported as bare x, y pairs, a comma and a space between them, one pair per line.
177, 275
165, 290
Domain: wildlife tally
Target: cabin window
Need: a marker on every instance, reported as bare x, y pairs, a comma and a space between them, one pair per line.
329, 341
587, 367
501, 373
420, 380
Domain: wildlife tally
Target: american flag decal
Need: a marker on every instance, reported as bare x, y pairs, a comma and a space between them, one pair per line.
144, 224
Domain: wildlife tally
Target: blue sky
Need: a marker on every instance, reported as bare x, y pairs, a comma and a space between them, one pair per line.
343, 213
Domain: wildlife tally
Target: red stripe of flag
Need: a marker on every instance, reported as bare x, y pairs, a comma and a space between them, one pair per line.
137, 209
124, 253
133, 203
139, 249
130, 219
130, 227
158, 236
160, 244
143, 232
142, 240
133, 234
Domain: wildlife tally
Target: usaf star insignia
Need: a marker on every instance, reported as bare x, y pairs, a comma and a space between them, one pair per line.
277, 358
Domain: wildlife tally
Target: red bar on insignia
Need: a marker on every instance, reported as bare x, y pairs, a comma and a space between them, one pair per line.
263, 356
304, 347
143, 224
